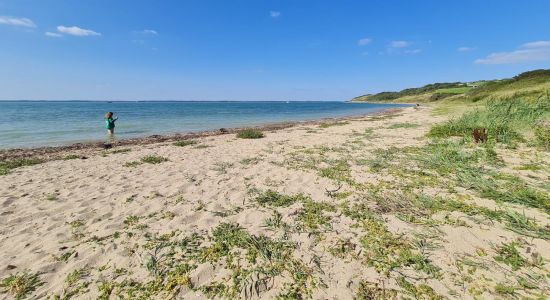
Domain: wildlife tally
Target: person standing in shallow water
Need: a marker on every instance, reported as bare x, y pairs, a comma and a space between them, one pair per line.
110, 123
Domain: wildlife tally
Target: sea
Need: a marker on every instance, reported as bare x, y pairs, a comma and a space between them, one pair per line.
27, 124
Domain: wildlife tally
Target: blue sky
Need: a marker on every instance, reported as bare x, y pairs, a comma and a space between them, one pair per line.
261, 50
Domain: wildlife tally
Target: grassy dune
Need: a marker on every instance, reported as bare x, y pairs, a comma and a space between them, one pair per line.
526, 85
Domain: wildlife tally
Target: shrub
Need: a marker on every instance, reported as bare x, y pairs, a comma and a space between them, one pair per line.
250, 134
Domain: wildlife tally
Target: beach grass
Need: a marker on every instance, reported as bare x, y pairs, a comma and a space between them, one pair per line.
403, 125
123, 150
275, 199
153, 159
71, 156
504, 120
331, 124
250, 134
20, 285
184, 143
7, 166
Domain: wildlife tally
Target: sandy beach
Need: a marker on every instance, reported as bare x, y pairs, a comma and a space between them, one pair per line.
321, 211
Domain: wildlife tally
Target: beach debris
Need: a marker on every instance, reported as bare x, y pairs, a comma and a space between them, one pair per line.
11, 267
107, 146
223, 130
480, 135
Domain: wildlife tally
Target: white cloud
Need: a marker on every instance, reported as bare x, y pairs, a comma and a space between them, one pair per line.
6, 20
77, 31
413, 51
465, 49
399, 44
274, 14
526, 53
52, 34
363, 42
537, 44
147, 32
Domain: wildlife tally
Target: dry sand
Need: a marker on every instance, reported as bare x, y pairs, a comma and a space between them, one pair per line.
66, 215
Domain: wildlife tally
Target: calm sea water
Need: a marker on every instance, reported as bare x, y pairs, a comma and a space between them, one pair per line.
48, 123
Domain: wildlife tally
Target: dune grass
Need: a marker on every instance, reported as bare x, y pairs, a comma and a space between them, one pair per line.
504, 120
454, 91
542, 135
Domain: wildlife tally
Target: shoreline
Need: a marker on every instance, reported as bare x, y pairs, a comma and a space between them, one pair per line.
48, 153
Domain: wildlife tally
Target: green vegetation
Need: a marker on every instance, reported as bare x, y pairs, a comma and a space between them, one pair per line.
123, 150
268, 259
330, 124
250, 134
312, 217
184, 143
74, 284
387, 252
509, 254
503, 119
71, 156
338, 170
528, 85
149, 159
403, 125
454, 91
505, 290
20, 285
461, 167
132, 164
390, 96
222, 167
202, 146
420, 291
542, 135
367, 290
274, 199
153, 159
7, 166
